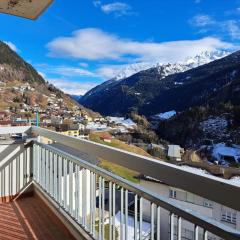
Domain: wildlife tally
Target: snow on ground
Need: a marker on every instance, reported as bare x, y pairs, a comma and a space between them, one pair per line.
215, 125
124, 122
96, 126
145, 226
194, 170
166, 115
235, 180
221, 149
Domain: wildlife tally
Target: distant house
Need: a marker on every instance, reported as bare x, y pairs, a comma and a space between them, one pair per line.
46, 120
81, 126
106, 138
6, 123
175, 152
88, 118
68, 129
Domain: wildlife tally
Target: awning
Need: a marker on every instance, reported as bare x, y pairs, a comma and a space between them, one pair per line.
31, 9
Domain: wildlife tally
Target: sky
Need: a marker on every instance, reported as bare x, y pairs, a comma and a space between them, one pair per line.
77, 45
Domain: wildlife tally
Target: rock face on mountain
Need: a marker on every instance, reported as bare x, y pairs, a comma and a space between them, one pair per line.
21, 70
166, 86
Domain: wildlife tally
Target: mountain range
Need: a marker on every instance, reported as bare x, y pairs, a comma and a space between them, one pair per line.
153, 90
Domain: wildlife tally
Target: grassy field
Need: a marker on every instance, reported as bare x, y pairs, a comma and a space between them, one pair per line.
119, 170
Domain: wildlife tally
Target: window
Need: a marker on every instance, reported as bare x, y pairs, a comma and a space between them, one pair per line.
230, 217
173, 193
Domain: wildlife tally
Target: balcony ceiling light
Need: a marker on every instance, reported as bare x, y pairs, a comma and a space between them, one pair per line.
31, 9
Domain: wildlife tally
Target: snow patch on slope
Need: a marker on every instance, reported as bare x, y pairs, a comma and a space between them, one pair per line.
220, 150
166, 115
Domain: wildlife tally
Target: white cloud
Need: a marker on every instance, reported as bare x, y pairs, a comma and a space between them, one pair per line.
95, 44
64, 70
233, 29
12, 46
72, 71
117, 8
202, 20
82, 64
97, 3
207, 23
71, 87
109, 71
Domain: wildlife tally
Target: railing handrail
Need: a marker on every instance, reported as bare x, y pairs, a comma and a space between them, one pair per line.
209, 187
209, 224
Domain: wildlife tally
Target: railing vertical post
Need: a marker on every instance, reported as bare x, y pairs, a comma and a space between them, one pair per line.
77, 193
103, 207
60, 179
135, 216
99, 208
114, 208
126, 214
152, 220
205, 235
84, 196
91, 202
122, 215
110, 210
140, 218
158, 223
94, 203
71, 188
172, 218
65, 183
55, 183
196, 230
179, 228
51, 172
32, 161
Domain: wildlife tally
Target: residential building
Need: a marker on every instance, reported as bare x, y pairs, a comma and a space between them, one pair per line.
175, 152
198, 204
68, 129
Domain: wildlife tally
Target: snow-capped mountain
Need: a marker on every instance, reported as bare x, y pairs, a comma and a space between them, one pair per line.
166, 69
163, 69
131, 69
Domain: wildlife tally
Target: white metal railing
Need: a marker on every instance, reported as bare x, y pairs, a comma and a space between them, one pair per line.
82, 189
99, 201
217, 190
15, 169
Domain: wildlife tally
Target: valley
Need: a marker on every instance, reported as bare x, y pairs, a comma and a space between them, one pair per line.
203, 94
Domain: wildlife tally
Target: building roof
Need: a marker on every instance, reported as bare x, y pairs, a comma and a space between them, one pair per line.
24, 8
66, 127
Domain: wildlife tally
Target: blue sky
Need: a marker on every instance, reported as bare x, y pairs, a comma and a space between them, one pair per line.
79, 44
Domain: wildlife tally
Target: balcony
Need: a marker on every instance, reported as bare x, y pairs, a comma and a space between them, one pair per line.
50, 190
